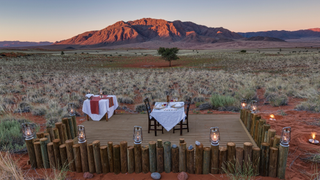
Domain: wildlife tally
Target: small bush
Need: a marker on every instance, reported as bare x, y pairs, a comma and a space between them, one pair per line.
278, 100
222, 101
243, 51
310, 105
197, 99
140, 107
125, 100
39, 111
246, 93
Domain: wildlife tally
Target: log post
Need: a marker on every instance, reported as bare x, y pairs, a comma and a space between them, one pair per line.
84, 157
76, 153
75, 127
246, 117
36, 140
175, 159
256, 160
214, 159
56, 144
63, 156
31, 153
182, 157
56, 133
104, 159
266, 127
60, 130
282, 164
37, 151
91, 159
167, 156
44, 152
206, 160
116, 159
255, 118
96, 156
190, 161
249, 118
271, 133
241, 114
231, 146
110, 155
264, 168
247, 153
256, 132
71, 160
47, 135
50, 131
160, 160
152, 156
130, 159
40, 135
181, 140
145, 159
71, 126
222, 160
123, 156
64, 128
159, 143
239, 159
271, 141
273, 162
260, 131
276, 141
198, 159
51, 157
66, 123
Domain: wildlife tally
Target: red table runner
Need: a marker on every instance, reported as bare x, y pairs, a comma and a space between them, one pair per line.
94, 103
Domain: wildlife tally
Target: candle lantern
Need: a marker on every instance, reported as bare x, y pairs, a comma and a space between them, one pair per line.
285, 136
28, 130
100, 93
88, 91
254, 106
243, 104
81, 134
214, 136
272, 117
71, 109
313, 140
137, 134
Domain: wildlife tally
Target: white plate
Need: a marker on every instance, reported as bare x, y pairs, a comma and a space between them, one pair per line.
178, 105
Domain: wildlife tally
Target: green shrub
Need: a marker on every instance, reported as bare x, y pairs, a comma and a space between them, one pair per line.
218, 100
39, 111
309, 105
246, 93
278, 100
243, 51
198, 104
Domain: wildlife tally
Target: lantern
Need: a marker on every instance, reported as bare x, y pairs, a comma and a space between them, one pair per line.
254, 106
272, 117
214, 136
285, 136
81, 134
71, 109
88, 91
28, 131
243, 104
137, 134
100, 93
313, 140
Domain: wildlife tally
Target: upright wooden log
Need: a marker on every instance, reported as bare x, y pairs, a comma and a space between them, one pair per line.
71, 126
152, 156
190, 161
63, 156
84, 157
145, 159
242, 114
239, 159
50, 131
273, 162
198, 159
271, 141
214, 159
40, 135
31, 153
255, 118
61, 131
282, 164
71, 160
266, 127
271, 133
64, 128
116, 159
159, 143
256, 160
222, 159
261, 132
36, 140
104, 159
66, 123
75, 127
37, 151
175, 159
256, 132
137, 158
47, 135
51, 156
160, 166
123, 157
276, 141
249, 119
206, 160
56, 133
110, 155
77, 157
182, 157
231, 146
246, 117
264, 168
247, 153
130, 159
44, 152
167, 156
91, 159
96, 156
56, 144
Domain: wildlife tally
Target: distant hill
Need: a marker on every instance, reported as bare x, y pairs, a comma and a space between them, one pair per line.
314, 32
148, 29
22, 43
263, 38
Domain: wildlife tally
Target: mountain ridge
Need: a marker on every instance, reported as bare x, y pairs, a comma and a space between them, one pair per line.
283, 34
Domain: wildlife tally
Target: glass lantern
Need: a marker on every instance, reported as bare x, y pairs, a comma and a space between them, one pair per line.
214, 136
28, 131
88, 91
81, 134
254, 106
100, 92
285, 136
71, 110
272, 117
243, 104
137, 134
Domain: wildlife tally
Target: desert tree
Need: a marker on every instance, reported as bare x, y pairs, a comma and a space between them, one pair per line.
168, 54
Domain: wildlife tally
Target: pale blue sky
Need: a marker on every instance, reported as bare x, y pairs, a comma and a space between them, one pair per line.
55, 20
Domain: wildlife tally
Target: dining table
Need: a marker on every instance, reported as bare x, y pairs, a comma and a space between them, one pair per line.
96, 107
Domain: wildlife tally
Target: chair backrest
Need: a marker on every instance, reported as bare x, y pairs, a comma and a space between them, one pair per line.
188, 105
148, 107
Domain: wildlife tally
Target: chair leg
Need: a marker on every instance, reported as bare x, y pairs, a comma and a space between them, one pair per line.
180, 128
148, 125
155, 127
187, 124
162, 129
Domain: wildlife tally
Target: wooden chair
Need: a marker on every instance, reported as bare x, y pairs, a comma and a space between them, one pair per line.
185, 124
151, 121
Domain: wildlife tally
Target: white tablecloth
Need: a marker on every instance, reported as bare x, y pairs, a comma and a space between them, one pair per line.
103, 108
169, 117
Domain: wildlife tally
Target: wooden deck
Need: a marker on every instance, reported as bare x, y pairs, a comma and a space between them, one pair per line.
120, 128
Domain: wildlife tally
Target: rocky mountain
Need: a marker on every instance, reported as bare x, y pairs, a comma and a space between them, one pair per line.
23, 43
148, 29
314, 32
263, 38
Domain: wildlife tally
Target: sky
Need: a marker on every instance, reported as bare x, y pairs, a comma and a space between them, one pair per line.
55, 20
